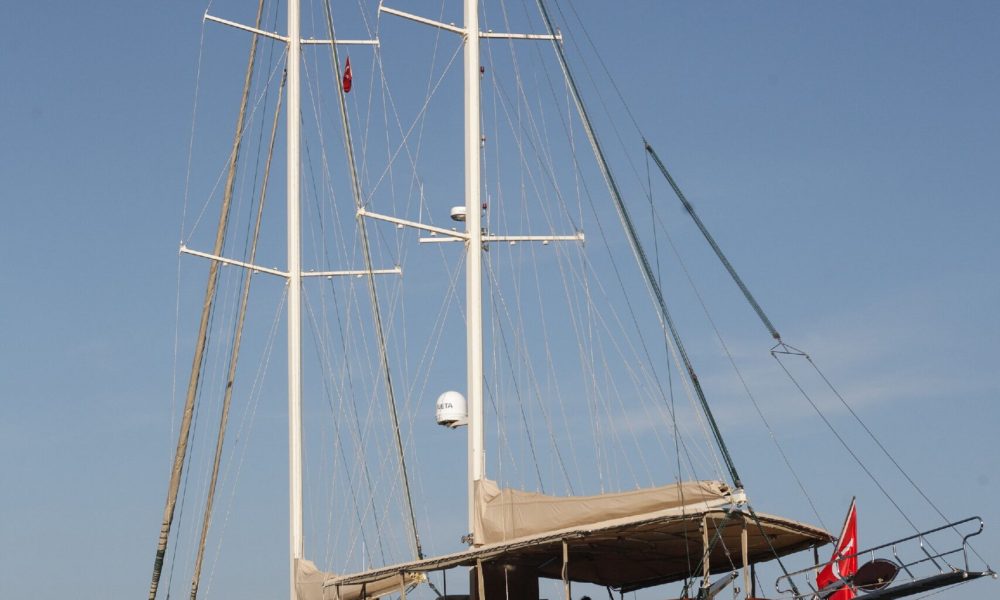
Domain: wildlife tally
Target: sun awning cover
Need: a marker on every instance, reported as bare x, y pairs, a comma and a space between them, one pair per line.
309, 584
507, 514
626, 541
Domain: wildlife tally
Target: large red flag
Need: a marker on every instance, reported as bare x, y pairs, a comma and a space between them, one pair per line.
840, 567
347, 76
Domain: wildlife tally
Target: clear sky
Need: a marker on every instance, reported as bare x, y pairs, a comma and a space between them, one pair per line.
844, 154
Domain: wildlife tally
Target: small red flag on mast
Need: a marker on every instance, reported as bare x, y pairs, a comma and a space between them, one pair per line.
844, 562
347, 76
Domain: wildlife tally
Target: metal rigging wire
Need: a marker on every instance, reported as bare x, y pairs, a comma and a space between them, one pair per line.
237, 335
637, 249
373, 292
203, 331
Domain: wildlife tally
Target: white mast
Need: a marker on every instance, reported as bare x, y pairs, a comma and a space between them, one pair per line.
474, 238
294, 275
294, 299
473, 255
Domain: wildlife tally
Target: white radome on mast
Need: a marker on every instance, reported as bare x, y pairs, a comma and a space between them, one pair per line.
451, 410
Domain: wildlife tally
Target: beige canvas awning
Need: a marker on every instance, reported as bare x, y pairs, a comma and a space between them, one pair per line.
309, 584
509, 514
624, 552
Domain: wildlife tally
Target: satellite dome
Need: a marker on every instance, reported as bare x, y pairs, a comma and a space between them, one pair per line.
451, 410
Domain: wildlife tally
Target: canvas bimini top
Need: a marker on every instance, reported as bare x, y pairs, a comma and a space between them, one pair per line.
627, 541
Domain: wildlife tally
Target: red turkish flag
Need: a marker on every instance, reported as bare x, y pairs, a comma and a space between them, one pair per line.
347, 76
840, 567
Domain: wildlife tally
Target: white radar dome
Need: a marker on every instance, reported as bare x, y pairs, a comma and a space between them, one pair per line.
451, 410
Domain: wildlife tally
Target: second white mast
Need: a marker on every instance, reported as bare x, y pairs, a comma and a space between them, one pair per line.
473, 256
294, 296
474, 238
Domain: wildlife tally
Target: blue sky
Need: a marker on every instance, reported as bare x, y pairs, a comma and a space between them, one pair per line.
844, 154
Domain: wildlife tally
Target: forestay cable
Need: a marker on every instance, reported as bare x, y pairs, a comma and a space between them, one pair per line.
533, 134
782, 348
732, 361
640, 255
